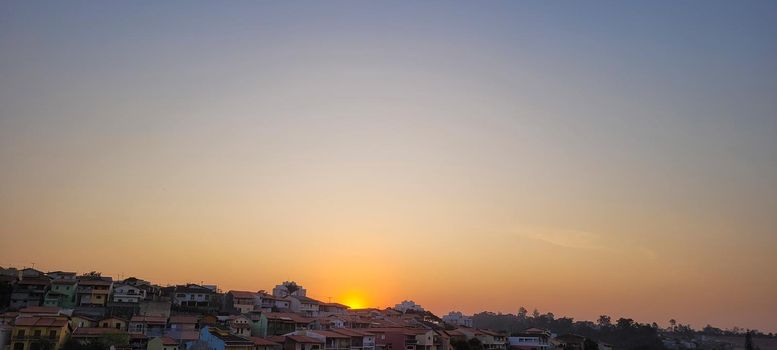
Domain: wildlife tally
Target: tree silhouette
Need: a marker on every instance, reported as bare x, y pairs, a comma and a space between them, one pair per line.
291, 288
522, 313
604, 321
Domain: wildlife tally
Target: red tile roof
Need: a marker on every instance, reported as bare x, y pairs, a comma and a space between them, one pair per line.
242, 294
94, 331
184, 319
149, 319
330, 334
40, 310
304, 339
352, 332
263, 342
168, 341
42, 321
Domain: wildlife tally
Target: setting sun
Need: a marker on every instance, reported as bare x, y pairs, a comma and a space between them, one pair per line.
354, 301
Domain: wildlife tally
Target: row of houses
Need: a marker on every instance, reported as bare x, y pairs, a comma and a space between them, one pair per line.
83, 308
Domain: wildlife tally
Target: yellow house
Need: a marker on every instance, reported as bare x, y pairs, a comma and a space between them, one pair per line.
39, 333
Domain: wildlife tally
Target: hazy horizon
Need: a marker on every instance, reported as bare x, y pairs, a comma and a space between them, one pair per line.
593, 158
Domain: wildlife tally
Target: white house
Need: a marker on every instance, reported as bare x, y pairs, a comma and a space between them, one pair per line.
457, 319
125, 293
408, 305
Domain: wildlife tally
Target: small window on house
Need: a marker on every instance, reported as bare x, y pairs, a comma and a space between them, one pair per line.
118, 325
37, 333
20, 333
18, 346
52, 334
105, 324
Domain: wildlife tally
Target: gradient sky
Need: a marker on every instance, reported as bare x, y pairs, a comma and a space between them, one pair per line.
578, 157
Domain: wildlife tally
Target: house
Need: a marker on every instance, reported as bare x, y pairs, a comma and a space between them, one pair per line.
40, 311
85, 335
126, 293
61, 276
359, 339
62, 293
325, 323
491, 340
93, 291
267, 302
571, 341
393, 338
283, 305
530, 339
29, 291
220, 339
193, 296
39, 333
327, 309
183, 328
31, 273
307, 306
151, 292
183, 322
456, 318
279, 323
242, 301
331, 340
150, 326
258, 323
408, 305
288, 288
239, 325
86, 321
113, 322
162, 343
265, 344
301, 342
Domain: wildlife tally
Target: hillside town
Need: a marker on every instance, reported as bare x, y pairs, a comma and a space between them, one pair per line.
60, 310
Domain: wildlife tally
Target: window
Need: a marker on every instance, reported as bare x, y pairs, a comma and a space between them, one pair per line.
52, 334
18, 346
20, 333
105, 324
118, 325
37, 333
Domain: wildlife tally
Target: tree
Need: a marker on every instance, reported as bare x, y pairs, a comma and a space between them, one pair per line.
475, 344
522, 313
589, 344
624, 323
604, 321
291, 288
535, 313
672, 325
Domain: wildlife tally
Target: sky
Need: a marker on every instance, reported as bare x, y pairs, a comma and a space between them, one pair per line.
583, 158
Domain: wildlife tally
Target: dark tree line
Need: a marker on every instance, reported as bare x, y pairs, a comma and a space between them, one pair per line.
624, 333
